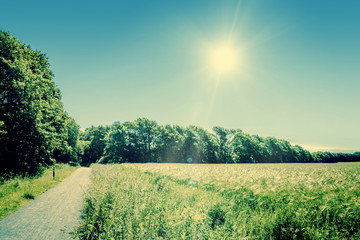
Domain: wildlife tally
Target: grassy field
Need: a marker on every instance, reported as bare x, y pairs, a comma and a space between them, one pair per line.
17, 192
264, 201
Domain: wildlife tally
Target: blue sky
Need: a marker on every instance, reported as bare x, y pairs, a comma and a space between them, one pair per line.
297, 74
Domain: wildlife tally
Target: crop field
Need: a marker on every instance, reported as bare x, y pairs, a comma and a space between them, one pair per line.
244, 201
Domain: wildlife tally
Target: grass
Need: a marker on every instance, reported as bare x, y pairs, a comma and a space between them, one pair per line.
17, 192
264, 201
125, 203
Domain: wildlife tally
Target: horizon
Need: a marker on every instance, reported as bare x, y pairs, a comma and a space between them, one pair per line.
288, 69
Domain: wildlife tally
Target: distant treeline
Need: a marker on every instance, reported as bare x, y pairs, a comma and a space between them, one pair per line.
36, 132
145, 141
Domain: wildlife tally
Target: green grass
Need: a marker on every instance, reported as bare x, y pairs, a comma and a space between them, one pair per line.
17, 192
264, 201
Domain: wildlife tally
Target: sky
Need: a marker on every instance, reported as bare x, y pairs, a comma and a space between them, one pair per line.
290, 69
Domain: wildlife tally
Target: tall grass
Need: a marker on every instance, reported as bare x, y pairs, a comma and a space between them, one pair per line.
124, 203
17, 192
177, 201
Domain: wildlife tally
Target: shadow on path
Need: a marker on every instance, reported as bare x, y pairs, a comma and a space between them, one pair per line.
53, 214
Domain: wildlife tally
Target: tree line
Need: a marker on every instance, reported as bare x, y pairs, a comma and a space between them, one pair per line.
36, 132
143, 140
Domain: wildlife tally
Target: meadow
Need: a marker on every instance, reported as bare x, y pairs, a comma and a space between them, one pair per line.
18, 191
234, 201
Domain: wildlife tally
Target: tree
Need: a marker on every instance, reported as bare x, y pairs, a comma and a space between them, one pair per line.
95, 149
224, 137
275, 150
32, 120
208, 147
301, 155
147, 134
190, 147
246, 148
144, 141
115, 149
69, 151
168, 144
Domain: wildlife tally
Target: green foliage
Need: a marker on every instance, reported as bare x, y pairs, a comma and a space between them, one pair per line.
272, 201
145, 141
73, 164
327, 157
18, 191
168, 144
224, 140
28, 195
217, 216
123, 203
93, 144
115, 149
33, 124
208, 147
69, 150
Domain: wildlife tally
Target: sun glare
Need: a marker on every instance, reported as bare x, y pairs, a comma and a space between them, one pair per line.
223, 58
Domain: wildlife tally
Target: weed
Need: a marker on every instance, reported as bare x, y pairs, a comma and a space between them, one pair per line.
217, 216
28, 195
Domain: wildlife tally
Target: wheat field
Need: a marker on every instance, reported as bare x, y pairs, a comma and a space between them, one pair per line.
202, 201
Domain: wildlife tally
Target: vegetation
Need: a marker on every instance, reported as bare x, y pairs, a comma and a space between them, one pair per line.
284, 201
34, 129
17, 192
145, 141
177, 201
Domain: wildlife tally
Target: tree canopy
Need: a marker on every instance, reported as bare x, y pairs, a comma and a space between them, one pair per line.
145, 141
33, 125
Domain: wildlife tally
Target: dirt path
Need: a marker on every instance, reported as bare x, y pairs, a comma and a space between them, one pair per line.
52, 215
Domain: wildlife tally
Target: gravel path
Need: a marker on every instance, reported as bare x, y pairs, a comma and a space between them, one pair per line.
52, 215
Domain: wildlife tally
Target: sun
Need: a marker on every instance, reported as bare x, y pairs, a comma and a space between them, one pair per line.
223, 58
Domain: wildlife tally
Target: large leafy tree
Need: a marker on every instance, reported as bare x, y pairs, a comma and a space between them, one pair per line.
168, 144
190, 148
147, 134
208, 147
32, 120
224, 137
116, 149
95, 139
136, 141
246, 148
69, 150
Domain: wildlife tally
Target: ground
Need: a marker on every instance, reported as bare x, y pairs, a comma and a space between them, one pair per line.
53, 215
